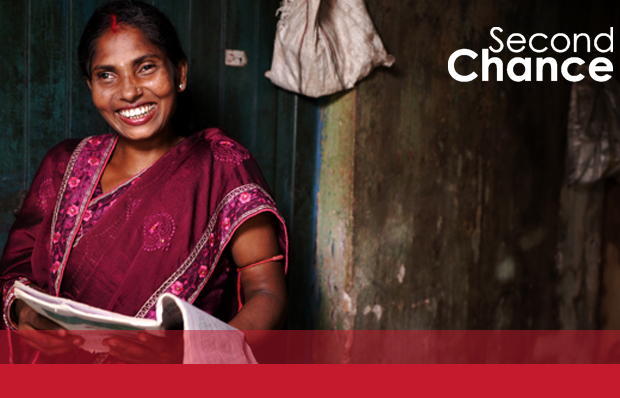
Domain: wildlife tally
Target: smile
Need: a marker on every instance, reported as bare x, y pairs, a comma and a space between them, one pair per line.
137, 113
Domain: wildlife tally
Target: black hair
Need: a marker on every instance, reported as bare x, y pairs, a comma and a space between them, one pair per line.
153, 24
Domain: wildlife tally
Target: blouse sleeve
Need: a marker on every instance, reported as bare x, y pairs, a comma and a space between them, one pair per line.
38, 206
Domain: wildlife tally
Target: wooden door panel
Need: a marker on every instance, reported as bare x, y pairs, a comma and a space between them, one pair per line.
13, 57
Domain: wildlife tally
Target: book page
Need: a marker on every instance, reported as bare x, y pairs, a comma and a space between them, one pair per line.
207, 340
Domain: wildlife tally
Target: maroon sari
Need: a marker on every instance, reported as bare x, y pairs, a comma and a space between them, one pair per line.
164, 230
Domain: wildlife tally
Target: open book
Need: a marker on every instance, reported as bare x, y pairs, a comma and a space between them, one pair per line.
172, 314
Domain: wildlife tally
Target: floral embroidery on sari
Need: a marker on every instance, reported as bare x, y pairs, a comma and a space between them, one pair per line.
187, 282
227, 150
46, 192
80, 180
61, 167
158, 231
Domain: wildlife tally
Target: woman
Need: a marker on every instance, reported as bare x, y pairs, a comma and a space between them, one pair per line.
115, 221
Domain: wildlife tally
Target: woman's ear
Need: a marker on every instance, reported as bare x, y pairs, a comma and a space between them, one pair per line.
182, 70
90, 87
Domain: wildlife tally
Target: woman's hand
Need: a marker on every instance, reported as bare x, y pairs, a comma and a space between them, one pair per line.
42, 334
149, 348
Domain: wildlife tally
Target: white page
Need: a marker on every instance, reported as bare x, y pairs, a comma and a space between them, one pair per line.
223, 344
72, 315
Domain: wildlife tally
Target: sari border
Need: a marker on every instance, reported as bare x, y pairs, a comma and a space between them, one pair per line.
148, 305
121, 186
106, 152
63, 186
91, 205
8, 297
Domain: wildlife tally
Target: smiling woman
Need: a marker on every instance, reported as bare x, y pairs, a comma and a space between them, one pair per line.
117, 220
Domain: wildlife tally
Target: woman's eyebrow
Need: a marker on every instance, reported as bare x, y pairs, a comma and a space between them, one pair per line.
134, 62
142, 58
104, 67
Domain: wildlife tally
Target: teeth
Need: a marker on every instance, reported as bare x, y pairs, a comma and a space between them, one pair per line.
137, 113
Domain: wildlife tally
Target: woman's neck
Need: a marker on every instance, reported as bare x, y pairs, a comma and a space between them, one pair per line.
134, 156
131, 157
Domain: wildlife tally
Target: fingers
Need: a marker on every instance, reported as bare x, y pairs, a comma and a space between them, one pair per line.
148, 349
43, 334
39, 322
126, 350
30, 317
161, 343
50, 343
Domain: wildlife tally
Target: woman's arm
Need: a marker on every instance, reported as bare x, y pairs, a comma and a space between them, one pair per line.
263, 285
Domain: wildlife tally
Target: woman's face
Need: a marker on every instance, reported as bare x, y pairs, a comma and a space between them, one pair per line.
133, 84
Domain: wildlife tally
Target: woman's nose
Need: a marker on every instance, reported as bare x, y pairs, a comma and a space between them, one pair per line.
129, 90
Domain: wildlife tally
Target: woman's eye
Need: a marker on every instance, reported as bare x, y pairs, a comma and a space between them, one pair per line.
148, 68
104, 76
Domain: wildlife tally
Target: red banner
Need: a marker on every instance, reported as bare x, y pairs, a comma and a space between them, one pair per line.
345, 347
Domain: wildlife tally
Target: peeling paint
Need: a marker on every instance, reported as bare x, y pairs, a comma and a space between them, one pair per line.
378, 311
347, 303
401, 273
429, 303
334, 215
506, 269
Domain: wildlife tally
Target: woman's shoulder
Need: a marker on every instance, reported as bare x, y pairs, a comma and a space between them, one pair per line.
57, 158
62, 150
52, 167
222, 155
221, 149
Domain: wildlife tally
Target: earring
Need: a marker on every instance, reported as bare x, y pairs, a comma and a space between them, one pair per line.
181, 86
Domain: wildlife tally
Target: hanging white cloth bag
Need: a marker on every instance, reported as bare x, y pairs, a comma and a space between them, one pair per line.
325, 46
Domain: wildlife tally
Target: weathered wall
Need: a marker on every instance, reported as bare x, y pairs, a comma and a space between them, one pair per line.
610, 289
439, 201
585, 261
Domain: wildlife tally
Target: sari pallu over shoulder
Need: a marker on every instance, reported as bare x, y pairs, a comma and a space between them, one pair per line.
169, 230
